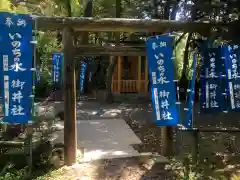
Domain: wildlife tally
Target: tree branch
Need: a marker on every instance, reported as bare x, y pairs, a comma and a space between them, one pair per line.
179, 39
185, 57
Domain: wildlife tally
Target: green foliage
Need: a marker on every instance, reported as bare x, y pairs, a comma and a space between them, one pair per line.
235, 177
103, 8
76, 8
44, 88
179, 54
186, 170
47, 44
62, 6
7, 6
130, 9
14, 175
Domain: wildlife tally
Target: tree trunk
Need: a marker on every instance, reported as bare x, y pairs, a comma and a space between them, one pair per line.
183, 80
167, 132
174, 10
154, 6
167, 8
111, 67
87, 13
179, 39
84, 40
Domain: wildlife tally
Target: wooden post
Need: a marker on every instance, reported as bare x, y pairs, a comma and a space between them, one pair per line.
146, 75
167, 141
111, 61
139, 74
195, 145
119, 73
70, 139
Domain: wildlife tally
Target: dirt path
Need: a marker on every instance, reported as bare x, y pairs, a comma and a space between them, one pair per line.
135, 168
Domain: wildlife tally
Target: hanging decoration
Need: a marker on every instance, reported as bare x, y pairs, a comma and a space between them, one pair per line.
82, 74
161, 70
232, 62
58, 61
212, 88
191, 96
17, 76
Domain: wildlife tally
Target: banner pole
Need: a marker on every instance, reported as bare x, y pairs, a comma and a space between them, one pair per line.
33, 109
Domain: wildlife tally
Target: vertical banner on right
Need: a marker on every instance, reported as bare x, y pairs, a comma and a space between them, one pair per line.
232, 62
57, 68
191, 96
161, 70
83, 69
212, 99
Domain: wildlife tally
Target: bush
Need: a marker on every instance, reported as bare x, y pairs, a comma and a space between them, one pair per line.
45, 87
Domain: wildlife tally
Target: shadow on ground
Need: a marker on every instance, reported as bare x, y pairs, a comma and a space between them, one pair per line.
218, 152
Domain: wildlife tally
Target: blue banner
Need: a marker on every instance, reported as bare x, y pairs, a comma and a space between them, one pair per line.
17, 54
191, 96
83, 69
232, 62
212, 87
57, 68
161, 70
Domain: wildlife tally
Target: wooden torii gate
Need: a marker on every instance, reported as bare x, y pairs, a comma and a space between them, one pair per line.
69, 25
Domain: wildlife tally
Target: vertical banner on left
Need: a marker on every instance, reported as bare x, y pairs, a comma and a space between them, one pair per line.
17, 55
161, 69
57, 68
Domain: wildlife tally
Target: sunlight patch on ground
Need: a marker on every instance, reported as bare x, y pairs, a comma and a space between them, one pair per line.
105, 132
58, 126
94, 112
111, 112
97, 154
